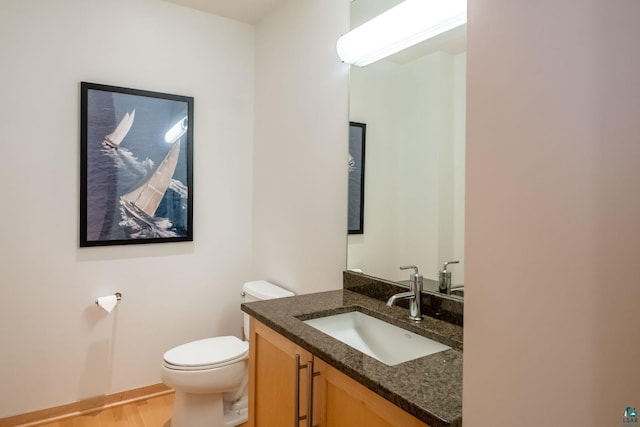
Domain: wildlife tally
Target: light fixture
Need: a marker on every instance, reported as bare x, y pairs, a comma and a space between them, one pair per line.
177, 130
402, 26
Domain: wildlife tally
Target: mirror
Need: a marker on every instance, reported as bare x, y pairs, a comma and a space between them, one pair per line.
413, 105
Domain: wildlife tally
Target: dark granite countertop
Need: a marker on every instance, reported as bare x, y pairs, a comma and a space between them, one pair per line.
430, 388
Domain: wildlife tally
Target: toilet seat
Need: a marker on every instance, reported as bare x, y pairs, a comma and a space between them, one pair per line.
208, 353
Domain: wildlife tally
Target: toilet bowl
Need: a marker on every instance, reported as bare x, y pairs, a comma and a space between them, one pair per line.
210, 376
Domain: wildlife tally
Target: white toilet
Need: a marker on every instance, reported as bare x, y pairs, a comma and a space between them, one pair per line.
210, 376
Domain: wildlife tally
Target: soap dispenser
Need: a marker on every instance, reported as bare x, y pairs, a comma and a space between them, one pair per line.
444, 285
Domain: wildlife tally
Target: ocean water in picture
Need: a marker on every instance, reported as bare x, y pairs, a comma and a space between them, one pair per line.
136, 167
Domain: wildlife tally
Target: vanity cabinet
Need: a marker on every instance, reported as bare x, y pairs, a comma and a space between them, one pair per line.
278, 388
284, 378
343, 402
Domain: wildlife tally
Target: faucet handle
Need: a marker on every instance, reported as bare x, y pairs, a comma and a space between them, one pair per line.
409, 267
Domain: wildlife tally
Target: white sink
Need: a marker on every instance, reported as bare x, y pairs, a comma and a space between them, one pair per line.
383, 341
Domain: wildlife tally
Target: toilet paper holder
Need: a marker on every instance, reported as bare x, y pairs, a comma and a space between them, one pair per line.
118, 297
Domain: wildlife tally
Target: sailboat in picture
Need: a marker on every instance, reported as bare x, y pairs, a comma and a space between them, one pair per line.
143, 201
114, 139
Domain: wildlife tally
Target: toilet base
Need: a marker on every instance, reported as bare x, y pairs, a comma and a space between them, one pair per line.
204, 410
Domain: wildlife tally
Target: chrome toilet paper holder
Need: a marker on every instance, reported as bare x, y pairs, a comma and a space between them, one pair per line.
118, 297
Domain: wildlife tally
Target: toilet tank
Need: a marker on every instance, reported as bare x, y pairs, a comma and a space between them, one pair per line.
260, 290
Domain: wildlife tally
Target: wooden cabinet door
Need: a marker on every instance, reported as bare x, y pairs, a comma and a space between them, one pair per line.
277, 386
343, 402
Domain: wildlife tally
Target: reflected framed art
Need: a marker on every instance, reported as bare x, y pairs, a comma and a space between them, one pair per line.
357, 136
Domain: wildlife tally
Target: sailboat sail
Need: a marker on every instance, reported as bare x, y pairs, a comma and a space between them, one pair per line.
115, 138
147, 197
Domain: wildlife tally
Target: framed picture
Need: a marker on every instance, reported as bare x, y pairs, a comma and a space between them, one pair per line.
136, 166
357, 135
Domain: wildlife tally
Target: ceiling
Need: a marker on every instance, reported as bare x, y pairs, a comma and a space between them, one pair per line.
250, 11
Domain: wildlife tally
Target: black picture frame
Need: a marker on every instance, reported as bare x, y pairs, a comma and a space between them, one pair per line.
136, 166
357, 138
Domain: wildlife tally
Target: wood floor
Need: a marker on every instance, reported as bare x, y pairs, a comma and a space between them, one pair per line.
153, 412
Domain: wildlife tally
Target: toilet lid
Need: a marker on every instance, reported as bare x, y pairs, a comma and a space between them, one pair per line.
207, 352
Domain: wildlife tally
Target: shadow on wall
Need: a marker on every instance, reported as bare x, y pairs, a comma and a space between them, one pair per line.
96, 376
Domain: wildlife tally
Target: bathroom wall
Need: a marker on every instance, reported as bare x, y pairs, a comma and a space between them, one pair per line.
553, 237
301, 134
56, 346
414, 208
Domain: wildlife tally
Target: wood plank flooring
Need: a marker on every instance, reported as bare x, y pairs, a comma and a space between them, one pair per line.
153, 412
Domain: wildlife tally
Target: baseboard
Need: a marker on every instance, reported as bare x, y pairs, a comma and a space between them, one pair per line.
84, 406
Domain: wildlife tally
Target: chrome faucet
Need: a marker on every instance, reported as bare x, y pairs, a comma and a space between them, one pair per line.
444, 282
414, 295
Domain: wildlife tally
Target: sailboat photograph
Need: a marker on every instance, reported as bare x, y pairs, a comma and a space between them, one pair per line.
142, 202
114, 139
136, 166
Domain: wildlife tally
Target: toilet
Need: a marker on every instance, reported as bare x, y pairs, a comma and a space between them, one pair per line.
210, 376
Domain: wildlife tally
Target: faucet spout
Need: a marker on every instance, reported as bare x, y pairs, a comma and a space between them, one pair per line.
414, 295
400, 296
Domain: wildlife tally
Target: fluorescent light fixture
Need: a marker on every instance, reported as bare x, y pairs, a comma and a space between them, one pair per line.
176, 131
402, 26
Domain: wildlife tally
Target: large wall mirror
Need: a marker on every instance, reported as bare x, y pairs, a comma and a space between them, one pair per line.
413, 105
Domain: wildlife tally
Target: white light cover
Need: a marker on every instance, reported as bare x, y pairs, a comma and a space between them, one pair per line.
402, 26
177, 130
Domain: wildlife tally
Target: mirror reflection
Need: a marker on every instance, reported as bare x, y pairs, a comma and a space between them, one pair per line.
413, 105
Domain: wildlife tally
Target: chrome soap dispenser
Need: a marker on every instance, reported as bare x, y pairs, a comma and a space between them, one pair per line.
444, 285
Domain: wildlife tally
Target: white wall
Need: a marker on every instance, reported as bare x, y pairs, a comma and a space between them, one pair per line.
301, 138
56, 347
553, 237
414, 164
459, 165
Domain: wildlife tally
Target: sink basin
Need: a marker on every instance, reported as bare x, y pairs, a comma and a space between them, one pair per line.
383, 341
